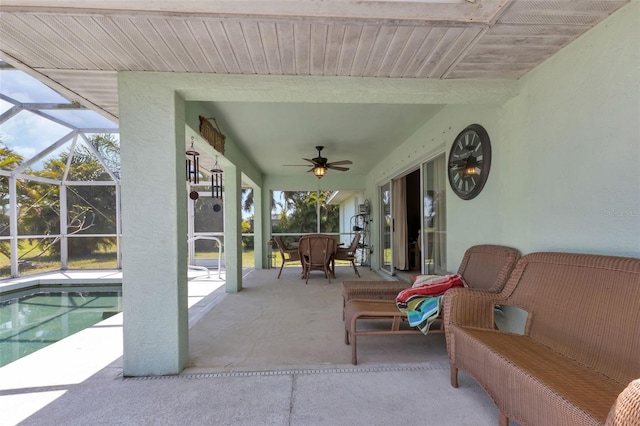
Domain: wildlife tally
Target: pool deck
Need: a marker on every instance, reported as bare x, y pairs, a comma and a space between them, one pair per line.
32, 382
271, 369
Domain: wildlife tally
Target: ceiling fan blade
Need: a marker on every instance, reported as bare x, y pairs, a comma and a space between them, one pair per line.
295, 165
323, 163
334, 163
313, 161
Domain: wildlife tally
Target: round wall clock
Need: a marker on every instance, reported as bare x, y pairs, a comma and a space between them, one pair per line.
469, 162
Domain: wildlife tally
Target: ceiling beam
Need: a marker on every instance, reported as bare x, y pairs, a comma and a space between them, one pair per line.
261, 88
453, 11
61, 89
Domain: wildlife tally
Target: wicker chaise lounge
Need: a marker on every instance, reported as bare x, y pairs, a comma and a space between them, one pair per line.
579, 350
484, 267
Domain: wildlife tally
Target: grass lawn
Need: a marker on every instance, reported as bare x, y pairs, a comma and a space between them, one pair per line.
247, 257
30, 264
107, 260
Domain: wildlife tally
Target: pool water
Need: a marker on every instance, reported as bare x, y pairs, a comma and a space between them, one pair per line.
31, 322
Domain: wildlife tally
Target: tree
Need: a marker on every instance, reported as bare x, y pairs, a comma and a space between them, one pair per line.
90, 209
9, 160
247, 227
300, 214
247, 200
108, 147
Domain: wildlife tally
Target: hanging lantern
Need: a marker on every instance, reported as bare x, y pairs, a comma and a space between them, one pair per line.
193, 165
216, 181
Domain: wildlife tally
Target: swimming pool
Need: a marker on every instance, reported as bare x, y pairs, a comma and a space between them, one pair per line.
32, 320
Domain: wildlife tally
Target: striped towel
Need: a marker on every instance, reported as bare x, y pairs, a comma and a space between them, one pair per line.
423, 303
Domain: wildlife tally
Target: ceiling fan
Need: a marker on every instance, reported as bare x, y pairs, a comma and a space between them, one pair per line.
321, 164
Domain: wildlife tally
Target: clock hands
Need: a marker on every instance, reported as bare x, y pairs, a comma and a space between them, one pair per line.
469, 164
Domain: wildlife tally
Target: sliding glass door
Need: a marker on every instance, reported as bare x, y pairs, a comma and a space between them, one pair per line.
413, 220
434, 237
386, 229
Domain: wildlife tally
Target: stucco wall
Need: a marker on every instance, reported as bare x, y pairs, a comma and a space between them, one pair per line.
429, 141
575, 131
566, 150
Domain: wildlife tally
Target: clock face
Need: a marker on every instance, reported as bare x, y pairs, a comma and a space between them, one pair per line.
469, 162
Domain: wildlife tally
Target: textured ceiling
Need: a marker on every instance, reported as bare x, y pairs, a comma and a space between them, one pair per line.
347, 131
77, 47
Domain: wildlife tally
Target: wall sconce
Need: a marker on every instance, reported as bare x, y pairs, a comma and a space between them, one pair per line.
193, 165
216, 181
319, 171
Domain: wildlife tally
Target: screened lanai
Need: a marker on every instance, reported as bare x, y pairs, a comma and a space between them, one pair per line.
539, 76
60, 186
59, 181
61, 171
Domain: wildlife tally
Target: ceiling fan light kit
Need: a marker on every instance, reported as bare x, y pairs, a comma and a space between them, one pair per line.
321, 165
319, 171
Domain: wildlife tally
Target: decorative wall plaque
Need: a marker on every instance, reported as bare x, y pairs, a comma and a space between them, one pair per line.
212, 134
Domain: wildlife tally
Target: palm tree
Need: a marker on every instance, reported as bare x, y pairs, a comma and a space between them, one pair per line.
107, 146
88, 207
9, 160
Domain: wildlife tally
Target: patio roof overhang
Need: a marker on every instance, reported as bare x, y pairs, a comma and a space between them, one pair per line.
79, 48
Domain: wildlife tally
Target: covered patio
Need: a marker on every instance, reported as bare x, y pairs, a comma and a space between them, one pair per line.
555, 84
284, 362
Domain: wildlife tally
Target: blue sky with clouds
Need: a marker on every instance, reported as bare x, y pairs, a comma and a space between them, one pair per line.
27, 133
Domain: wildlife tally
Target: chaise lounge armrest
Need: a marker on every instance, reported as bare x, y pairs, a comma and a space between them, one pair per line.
469, 308
382, 290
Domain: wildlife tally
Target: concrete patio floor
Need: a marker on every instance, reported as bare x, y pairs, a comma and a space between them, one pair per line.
272, 354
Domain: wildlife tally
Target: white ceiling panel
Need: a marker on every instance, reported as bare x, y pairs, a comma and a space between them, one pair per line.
77, 46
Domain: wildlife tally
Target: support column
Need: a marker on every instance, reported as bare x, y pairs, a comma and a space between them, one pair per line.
233, 228
154, 225
64, 229
266, 221
118, 225
259, 243
13, 224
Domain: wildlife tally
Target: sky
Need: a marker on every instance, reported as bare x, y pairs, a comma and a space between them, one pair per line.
27, 133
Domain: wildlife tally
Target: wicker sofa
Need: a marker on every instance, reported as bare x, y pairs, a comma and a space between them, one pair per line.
579, 350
